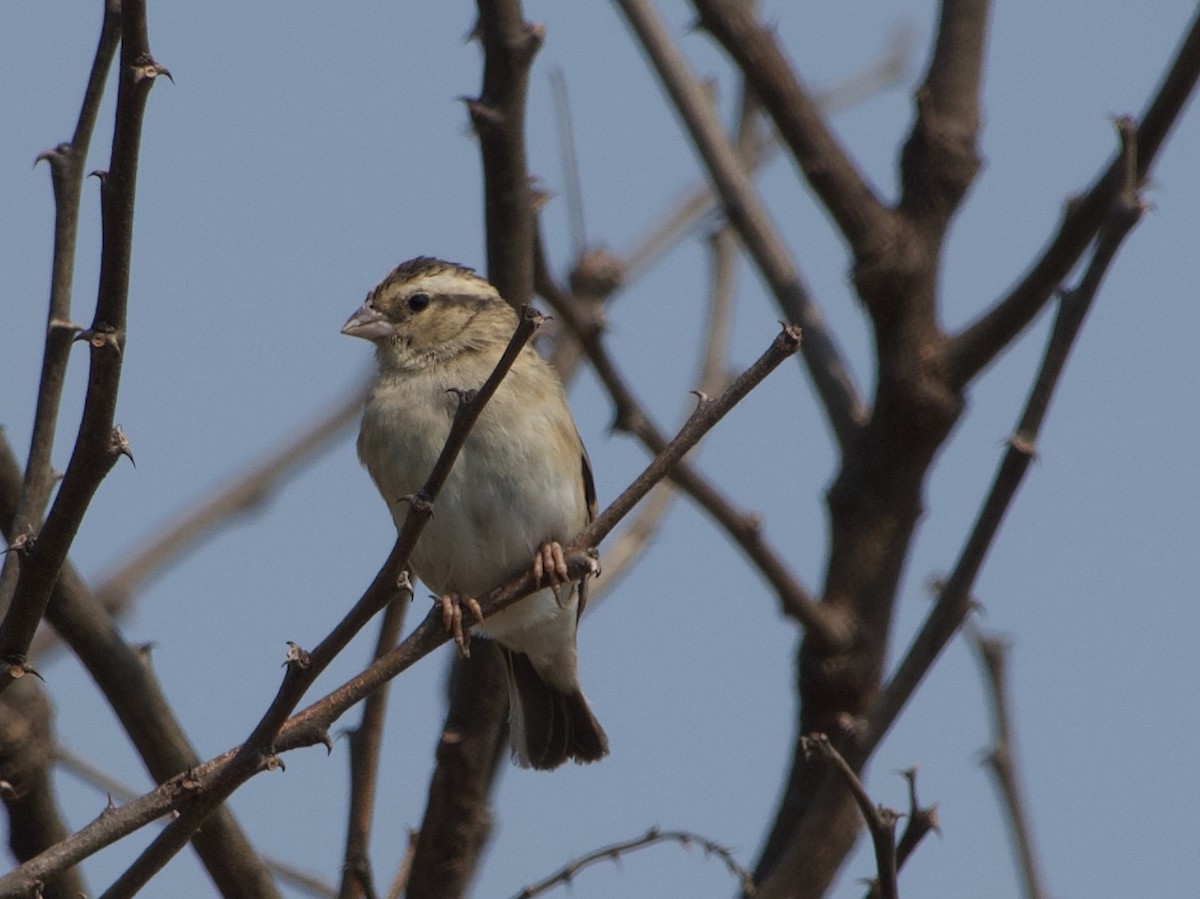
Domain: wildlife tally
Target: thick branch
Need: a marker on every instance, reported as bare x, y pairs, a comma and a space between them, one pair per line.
865, 222
509, 45
953, 602
939, 161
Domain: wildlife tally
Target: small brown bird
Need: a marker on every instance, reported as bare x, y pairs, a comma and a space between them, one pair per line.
521, 484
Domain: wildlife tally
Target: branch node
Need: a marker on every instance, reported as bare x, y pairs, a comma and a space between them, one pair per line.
22, 544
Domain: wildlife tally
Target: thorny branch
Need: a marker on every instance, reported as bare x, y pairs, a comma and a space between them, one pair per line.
565, 875
881, 821
99, 445
834, 383
208, 784
390, 585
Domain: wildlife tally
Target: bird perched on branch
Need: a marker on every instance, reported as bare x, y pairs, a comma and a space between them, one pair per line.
521, 485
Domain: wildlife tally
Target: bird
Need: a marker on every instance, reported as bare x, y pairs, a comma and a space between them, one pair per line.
521, 487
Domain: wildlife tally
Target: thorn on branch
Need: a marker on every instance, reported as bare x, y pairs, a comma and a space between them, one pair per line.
418, 502
119, 445
1023, 443
22, 544
54, 156
146, 69
101, 336
18, 666
465, 396
483, 115
296, 656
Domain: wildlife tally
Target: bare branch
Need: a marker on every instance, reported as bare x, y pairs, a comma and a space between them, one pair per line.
953, 602
66, 163
981, 341
95, 449
745, 529
365, 747
685, 838
199, 789
1001, 759
509, 45
881, 821
69, 760
694, 203
835, 385
939, 161
865, 222
922, 820
257, 753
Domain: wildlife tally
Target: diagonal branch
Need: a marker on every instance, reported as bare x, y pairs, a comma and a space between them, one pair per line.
834, 383
865, 222
98, 445
125, 678
981, 341
954, 602
211, 782
745, 529
389, 585
66, 163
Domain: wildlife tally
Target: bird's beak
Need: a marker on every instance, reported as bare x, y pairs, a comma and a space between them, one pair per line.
369, 324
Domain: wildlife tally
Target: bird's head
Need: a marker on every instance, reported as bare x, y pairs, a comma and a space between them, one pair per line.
427, 310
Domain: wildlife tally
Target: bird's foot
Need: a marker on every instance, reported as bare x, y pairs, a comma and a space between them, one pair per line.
452, 619
550, 565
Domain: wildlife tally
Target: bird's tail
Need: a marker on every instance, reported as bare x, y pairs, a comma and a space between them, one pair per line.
549, 725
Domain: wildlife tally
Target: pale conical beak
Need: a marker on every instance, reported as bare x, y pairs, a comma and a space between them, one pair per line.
369, 324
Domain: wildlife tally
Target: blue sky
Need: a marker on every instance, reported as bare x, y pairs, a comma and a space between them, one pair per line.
303, 152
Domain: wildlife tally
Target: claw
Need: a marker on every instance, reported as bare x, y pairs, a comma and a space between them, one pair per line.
550, 565
452, 619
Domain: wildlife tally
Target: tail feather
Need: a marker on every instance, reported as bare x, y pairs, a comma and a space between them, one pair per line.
549, 725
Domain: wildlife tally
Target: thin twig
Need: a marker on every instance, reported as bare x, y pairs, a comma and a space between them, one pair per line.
1001, 759
240, 495
99, 445
66, 163
389, 585
840, 397
692, 204
631, 544
79, 765
922, 820
565, 875
311, 726
365, 750
881, 821
745, 529
864, 220
123, 675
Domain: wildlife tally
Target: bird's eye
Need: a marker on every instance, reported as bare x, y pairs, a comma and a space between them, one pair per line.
418, 301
